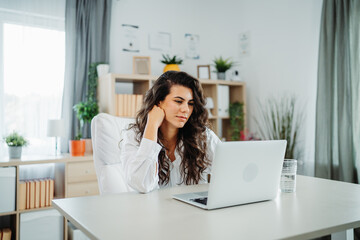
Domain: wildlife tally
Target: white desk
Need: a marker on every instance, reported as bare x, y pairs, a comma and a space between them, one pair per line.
319, 207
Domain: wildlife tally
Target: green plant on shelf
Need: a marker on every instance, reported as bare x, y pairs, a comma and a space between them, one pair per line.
15, 140
171, 60
222, 65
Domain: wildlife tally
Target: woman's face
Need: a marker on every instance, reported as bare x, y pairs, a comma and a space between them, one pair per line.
178, 106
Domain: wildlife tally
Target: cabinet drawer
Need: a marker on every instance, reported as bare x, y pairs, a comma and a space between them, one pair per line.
81, 172
82, 189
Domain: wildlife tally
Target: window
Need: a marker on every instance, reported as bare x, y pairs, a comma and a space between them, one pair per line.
33, 77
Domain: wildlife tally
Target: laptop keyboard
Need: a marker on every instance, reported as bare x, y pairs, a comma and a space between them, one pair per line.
200, 200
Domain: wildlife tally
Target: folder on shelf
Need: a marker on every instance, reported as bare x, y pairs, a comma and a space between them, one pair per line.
27, 194
32, 194
133, 105
22, 195
139, 99
223, 100
125, 105
51, 191
47, 192
6, 234
42, 193
37, 193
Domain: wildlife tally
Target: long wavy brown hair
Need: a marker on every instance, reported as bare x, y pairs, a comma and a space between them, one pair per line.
192, 137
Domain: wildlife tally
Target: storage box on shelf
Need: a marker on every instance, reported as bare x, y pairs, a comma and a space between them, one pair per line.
72, 176
109, 102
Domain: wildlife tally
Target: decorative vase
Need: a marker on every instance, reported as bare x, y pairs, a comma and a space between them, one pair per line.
171, 67
221, 75
77, 148
15, 152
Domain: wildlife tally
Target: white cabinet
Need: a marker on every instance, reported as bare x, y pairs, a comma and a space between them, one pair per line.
7, 189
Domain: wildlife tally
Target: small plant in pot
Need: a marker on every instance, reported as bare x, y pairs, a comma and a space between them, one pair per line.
15, 143
85, 112
88, 109
172, 63
222, 65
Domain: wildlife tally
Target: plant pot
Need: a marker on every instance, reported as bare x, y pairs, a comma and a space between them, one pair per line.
15, 152
88, 146
102, 69
221, 75
77, 148
171, 67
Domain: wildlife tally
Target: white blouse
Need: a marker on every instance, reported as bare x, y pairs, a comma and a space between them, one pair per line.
140, 162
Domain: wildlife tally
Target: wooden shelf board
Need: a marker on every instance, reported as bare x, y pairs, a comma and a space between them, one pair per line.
8, 213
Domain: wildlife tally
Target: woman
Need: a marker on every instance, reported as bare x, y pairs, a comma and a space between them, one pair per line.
169, 144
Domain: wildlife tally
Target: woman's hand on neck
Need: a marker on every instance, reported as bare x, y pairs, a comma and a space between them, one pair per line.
154, 120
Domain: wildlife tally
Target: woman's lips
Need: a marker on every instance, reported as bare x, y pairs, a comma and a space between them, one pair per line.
182, 118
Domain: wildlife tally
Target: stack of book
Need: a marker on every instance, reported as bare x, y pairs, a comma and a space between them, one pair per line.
5, 234
127, 105
35, 193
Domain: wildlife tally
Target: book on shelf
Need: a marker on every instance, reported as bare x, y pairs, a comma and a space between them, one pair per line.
42, 193
47, 191
32, 194
37, 193
27, 194
127, 105
5, 234
51, 191
22, 195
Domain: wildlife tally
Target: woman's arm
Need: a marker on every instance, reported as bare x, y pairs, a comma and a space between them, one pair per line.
141, 161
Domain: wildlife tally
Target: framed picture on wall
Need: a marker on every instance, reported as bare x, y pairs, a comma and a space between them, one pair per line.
203, 71
141, 65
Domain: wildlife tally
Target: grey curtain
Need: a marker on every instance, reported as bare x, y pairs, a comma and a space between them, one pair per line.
337, 145
87, 29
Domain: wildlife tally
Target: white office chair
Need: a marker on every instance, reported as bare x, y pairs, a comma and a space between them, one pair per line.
106, 132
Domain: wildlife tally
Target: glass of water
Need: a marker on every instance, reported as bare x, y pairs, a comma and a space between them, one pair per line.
288, 176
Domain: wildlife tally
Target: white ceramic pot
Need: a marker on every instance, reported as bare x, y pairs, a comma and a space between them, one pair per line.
221, 75
102, 69
15, 152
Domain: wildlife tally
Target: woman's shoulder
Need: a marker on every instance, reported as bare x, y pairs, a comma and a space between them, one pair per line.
212, 138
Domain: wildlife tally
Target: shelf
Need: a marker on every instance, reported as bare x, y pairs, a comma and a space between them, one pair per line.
7, 213
108, 102
35, 209
41, 159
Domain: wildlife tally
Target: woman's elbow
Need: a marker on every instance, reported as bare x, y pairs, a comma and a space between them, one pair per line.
139, 185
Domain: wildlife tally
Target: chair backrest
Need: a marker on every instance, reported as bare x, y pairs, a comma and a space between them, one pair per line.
106, 132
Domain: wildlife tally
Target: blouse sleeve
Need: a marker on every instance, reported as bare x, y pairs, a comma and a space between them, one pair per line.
212, 141
140, 162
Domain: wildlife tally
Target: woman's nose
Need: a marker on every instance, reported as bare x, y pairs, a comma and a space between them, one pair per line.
184, 108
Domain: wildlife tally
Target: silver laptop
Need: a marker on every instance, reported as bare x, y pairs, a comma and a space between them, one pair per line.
242, 172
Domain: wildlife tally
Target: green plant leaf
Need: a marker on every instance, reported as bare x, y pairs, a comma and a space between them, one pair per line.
15, 140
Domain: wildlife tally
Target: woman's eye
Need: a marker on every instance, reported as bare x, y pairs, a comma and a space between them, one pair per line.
178, 101
191, 103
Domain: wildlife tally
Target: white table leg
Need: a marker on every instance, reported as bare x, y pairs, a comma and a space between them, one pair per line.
344, 235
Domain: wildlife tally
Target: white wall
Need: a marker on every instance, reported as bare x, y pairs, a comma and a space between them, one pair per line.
283, 53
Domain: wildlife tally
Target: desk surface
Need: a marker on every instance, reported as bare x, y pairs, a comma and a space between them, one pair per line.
319, 207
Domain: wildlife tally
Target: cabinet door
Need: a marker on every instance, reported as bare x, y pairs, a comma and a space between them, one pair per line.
81, 172
83, 189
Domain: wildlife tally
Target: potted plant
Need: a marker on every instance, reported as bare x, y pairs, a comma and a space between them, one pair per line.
279, 119
172, 63
15, 143
87, 110
77, 146
237, 120
221, 66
